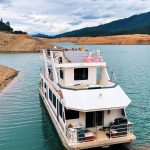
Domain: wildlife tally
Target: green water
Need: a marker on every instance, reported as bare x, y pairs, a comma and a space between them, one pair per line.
24, 123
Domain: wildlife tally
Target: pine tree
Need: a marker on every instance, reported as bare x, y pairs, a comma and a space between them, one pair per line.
1, 20
7, 23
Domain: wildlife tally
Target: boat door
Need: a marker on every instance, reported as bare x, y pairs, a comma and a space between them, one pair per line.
94, 119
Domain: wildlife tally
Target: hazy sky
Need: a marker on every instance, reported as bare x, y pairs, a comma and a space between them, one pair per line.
58, 16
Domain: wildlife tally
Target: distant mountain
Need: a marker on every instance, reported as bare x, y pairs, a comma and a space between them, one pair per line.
136, 24
42, 35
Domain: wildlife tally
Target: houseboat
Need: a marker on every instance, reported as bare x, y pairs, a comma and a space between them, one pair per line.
84, 101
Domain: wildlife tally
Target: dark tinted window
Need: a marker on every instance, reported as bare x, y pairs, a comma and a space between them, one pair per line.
42, 82
45, 85
71, 114
60, 109
61, 74
54, 100
50, 94
64, 117
123, 112
81, 74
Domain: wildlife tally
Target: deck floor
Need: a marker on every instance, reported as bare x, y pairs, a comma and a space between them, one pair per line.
103, 140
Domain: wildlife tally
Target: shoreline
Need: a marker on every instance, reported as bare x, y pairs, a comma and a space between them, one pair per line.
6, 76
27, 44
133, 39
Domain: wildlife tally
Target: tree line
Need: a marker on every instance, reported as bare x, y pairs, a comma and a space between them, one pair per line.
7, 28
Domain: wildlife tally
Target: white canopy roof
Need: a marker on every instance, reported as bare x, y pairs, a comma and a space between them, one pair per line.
92, 64
95, 99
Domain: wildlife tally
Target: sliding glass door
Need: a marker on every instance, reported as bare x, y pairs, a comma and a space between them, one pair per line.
94, 119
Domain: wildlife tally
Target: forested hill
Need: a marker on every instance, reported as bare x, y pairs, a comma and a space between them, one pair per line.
136, 24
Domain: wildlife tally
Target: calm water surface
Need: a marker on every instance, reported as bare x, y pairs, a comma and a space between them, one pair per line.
24, 123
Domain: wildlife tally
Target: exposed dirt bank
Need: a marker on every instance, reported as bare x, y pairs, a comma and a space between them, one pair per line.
135, 39
21, 43
6, 76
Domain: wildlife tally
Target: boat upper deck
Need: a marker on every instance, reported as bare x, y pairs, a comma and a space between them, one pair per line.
77, 69
74, 58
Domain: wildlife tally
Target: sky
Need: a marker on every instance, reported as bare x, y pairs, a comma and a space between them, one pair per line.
58, 16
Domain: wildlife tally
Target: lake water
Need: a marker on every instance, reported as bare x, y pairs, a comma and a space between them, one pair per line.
24, 123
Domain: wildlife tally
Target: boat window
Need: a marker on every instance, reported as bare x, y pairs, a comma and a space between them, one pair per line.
81, 74
54, 100
71, 114
64, 117
123, 112
60, 109
45, 85
42, 82
46, 92
61, 74
50, 94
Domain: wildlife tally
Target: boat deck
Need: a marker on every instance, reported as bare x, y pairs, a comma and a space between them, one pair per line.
102, 140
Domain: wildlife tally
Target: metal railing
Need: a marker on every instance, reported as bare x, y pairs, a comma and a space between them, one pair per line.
84, 135
119, 130
80, 135
111, 75
42, 71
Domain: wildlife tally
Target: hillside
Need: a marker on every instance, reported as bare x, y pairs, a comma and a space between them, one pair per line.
137, 24
135, 39
21, 43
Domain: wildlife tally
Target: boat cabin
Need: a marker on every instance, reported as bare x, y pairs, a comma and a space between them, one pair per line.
79, 69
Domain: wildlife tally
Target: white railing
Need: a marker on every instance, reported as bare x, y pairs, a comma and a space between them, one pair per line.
84, 135
80, 135
119, 130
50, 74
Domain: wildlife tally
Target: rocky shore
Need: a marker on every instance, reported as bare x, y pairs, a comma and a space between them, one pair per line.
6, 76
134, 39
